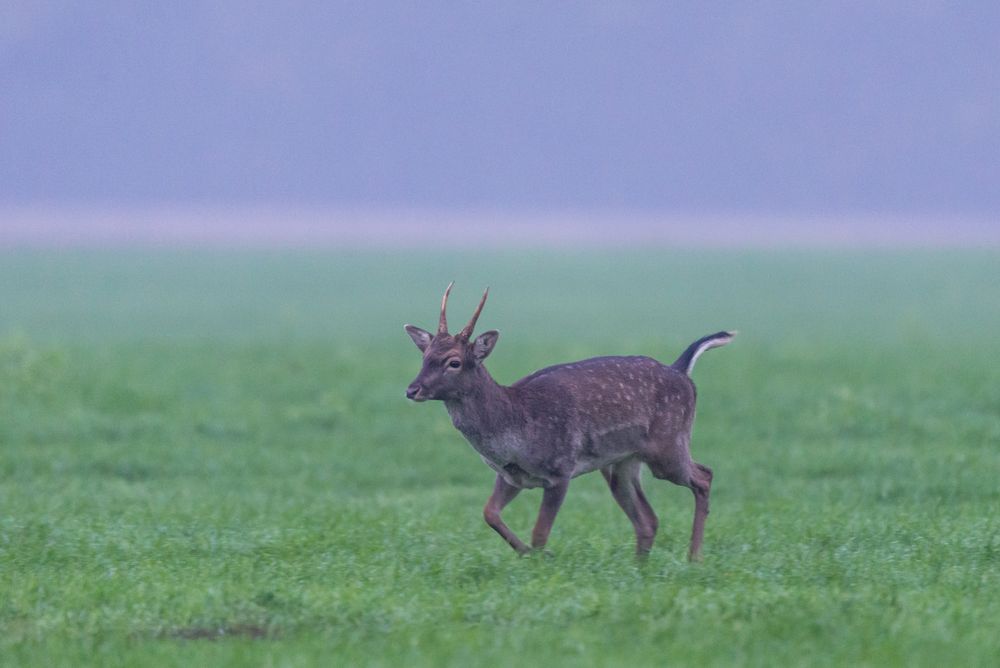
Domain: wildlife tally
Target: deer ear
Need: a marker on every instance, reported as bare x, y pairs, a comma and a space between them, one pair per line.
483, 345
421, 337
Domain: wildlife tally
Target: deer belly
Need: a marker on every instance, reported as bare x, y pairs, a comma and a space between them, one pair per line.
608, 448
516, 476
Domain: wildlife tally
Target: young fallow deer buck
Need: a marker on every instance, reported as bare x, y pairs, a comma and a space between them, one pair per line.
607, 413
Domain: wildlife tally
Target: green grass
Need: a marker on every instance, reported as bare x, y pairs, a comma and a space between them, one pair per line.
201, 442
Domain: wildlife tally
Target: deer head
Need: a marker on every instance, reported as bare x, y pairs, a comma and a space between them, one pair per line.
452, 364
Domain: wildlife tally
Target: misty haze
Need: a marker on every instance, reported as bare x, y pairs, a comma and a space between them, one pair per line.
596, 109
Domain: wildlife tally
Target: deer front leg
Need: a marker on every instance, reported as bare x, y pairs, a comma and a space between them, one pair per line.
503, 493
552, 499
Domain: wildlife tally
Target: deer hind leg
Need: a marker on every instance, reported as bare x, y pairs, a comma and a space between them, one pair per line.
701, 484
623, 479
503, 493
675, 464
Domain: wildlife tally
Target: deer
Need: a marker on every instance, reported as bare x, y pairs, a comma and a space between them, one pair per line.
613, 414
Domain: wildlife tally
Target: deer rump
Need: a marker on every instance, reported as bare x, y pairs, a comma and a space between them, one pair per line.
605, 413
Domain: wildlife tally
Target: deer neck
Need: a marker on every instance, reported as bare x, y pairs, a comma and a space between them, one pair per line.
484, 411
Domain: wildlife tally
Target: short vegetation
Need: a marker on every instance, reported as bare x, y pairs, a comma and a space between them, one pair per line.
206, 458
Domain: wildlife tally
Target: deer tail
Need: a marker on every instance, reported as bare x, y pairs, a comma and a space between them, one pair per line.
687, 359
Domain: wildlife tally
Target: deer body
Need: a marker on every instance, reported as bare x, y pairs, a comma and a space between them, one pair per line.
611, 414
571, 419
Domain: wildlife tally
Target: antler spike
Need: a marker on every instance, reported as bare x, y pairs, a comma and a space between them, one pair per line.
467, 330
443, 321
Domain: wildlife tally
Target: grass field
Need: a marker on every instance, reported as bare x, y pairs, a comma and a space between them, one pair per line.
206, 459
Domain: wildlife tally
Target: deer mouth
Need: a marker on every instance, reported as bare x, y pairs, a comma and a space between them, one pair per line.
415, 393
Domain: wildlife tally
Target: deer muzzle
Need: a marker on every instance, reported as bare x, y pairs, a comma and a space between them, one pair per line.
413, 392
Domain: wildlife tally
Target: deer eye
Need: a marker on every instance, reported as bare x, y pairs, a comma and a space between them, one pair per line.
454, 363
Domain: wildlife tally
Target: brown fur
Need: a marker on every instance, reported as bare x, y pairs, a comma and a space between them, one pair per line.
611, 414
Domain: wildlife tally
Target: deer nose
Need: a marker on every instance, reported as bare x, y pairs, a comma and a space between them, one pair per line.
412, 391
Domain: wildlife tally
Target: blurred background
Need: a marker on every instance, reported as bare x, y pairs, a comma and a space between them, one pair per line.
438, 123
216, 216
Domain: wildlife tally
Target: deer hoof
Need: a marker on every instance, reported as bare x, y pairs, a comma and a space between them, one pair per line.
538, 553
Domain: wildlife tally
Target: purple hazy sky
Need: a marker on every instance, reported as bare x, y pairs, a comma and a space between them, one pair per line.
773, 108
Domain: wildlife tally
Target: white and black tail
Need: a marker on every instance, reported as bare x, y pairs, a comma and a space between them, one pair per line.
687, 359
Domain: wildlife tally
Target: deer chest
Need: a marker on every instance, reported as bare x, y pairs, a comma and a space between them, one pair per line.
499, 449
504, 453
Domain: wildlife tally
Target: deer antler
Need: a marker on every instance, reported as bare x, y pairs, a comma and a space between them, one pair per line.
443, 322
467, 330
